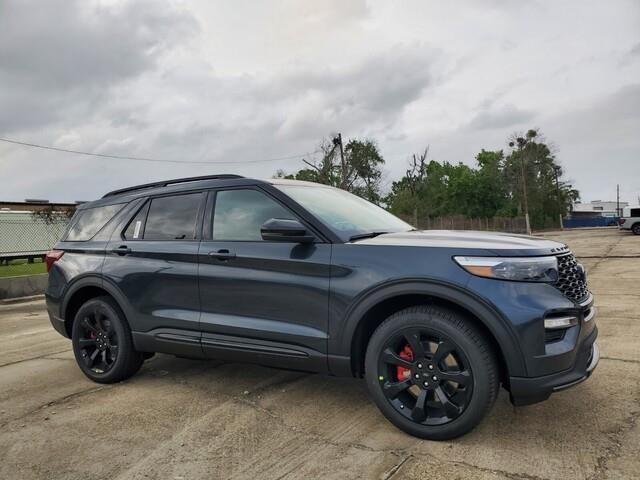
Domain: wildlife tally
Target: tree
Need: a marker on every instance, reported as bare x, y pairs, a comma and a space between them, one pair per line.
361, 173
491, 198
436, 189
49, 215
533, 180
407, 194
527, 178
496, 186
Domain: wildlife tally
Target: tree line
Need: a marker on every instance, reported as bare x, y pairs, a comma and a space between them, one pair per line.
502, 183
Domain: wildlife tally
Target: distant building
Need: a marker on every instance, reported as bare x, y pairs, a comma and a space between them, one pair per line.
597, 208
33, 205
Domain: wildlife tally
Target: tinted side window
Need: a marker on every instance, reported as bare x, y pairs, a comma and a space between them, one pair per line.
239, 214
172, 218
89, 222
635, 212
135, 230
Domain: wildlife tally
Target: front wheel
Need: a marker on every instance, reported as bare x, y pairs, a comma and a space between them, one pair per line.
102, 342
431, 372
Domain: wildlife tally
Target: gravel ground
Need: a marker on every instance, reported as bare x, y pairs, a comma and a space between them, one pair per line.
182, 419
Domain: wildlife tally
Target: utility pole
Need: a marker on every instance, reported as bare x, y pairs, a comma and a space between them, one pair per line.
618, 200
524, 192
337, 141
520, 143
556, 168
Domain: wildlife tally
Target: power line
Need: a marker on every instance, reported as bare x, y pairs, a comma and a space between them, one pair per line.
145, 159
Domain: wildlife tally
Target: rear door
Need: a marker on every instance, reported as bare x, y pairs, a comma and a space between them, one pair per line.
262, 301
153, 261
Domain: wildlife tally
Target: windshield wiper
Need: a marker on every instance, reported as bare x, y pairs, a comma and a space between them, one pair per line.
360, 236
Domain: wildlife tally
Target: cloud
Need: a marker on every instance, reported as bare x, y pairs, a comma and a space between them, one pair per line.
599, 144
60, 58
374, 91
233, 81
504, 117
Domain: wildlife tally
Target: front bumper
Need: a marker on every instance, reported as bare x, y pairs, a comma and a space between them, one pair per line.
525, 391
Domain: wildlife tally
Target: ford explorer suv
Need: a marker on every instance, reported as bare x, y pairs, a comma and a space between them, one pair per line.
630, 220
307, 277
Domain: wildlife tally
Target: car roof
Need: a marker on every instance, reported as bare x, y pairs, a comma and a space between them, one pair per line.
184, 184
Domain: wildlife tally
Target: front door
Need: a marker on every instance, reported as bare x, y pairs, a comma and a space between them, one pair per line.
262, 301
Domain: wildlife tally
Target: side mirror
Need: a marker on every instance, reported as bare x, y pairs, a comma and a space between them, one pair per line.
282, 230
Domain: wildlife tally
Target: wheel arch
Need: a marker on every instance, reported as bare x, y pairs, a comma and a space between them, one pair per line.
83, 290
378, 305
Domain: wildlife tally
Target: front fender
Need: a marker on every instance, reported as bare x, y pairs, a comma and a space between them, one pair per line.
341, 348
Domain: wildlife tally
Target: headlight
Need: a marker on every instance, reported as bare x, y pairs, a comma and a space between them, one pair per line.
523, 269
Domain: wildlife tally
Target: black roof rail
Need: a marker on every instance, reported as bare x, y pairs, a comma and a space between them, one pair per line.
165, 183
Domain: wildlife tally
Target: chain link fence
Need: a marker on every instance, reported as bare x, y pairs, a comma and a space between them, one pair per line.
460, 222
24, 241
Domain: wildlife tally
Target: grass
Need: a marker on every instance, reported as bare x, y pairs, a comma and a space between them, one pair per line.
21, 268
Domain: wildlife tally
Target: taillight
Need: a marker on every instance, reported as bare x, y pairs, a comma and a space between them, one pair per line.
52, 257
622, 220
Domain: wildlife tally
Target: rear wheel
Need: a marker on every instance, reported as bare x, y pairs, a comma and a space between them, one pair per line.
431, 372
636, 229
102, 342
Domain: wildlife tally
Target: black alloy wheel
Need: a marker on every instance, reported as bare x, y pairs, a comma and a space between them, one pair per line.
636, 229
425, 376
431, 371
98, 340
102, 342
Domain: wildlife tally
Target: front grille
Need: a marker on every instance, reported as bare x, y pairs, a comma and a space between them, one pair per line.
571, 278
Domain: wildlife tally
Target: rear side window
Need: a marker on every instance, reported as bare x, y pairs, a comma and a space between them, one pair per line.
135, 230
635, 212
90, 221
171, 218
239, 214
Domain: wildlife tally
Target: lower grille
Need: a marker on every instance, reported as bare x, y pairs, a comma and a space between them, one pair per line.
551, 336
571, 278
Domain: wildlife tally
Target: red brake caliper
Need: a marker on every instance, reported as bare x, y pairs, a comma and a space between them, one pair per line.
406, 354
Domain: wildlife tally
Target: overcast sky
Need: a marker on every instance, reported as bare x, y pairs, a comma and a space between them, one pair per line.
244, 80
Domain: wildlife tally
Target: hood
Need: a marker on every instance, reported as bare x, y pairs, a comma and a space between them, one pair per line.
500, 244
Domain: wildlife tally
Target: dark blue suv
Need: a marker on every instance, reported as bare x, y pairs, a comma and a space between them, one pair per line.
307, 277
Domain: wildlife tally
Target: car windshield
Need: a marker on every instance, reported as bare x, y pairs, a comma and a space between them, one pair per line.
346, 214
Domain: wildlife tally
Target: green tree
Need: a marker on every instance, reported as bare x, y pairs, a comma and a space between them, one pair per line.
491, 192
407, 195
436, 189
533, 180
361, 173
495, 186
526, 178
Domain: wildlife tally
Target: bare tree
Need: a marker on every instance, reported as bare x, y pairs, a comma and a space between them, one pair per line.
51, 215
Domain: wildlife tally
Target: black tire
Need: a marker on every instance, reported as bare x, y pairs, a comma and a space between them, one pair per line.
471, 360
102, 342
636, 229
